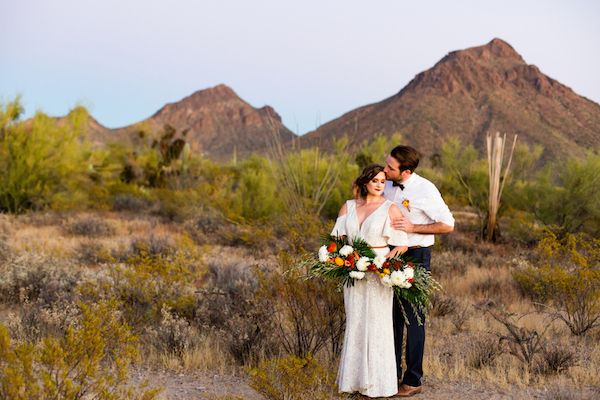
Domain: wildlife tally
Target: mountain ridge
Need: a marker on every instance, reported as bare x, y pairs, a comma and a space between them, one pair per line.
471, 92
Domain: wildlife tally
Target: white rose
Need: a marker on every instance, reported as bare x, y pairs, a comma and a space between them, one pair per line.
409, 272
323, 254
357, 274
398, 278
378, 261
387, 281
363, 263
346, 250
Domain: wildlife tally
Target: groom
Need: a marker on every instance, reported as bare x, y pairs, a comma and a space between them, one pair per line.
424, 214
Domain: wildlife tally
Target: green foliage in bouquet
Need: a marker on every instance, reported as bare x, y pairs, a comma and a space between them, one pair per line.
419, 294
409, 280
338, 267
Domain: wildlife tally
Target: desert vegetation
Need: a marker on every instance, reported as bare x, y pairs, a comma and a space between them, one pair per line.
144, 256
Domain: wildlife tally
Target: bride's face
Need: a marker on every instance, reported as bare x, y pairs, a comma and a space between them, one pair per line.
376, 185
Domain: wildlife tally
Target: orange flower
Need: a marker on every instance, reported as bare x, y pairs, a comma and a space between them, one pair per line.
406, 203
332, 247
338, 261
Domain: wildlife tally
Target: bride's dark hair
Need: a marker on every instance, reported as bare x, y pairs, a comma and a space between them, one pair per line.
359, 187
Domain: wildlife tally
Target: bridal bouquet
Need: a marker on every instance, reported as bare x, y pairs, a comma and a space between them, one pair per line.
345, 261
339, 259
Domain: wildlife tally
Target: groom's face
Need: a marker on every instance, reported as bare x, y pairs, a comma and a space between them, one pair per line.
392, 169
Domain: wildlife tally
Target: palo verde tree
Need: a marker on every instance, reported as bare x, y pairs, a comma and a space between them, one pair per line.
40, 157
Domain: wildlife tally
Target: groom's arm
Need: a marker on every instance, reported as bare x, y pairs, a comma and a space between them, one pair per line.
404, 224
435, 208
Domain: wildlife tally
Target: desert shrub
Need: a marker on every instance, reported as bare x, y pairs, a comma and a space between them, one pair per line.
90, 226
152, 245
40, 159
565, 274
302, 232
556, 359
315, 183
460, 318
230, 306
495, 287
145, 282
36, 320
5, 252
565, 195
174, 335
449, 264
206, 221
127, 196
483, 351
442, 305
177, 205
129, 202
293, 378
29, 279
5, 232
156, 159
466, 177
525, 344
258, 195
92, 252
91, 359
209, 225
309, 314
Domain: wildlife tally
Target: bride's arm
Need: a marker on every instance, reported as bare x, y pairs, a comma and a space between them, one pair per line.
343, 210
340, 224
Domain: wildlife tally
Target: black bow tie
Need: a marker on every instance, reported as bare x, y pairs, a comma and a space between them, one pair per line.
395, 183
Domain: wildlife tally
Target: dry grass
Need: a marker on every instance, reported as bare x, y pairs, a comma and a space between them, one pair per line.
462, 342
208, 355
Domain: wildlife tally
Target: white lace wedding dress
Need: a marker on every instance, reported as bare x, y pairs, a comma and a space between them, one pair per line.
368, 362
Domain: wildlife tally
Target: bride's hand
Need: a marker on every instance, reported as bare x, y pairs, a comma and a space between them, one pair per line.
396, 251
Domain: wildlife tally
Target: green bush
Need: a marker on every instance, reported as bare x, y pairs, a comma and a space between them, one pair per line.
41, 160
293, 378
91, 359
566, 276
147, 282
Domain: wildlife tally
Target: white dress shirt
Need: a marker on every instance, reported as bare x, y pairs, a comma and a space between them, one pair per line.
421, 202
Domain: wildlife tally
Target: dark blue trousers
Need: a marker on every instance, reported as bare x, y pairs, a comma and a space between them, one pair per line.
415, 334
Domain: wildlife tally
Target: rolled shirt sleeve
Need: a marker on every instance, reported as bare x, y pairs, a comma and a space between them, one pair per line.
435, 207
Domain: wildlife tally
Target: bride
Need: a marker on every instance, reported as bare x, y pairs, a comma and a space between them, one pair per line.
368, 363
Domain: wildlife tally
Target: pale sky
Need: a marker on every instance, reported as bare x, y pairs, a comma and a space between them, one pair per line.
310, 60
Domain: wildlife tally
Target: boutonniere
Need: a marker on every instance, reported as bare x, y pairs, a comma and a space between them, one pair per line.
406, 203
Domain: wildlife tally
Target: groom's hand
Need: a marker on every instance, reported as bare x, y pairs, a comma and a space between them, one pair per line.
402, 223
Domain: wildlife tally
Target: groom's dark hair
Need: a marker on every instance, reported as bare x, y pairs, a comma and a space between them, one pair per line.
407, 157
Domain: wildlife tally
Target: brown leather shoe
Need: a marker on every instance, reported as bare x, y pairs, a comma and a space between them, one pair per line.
406, 390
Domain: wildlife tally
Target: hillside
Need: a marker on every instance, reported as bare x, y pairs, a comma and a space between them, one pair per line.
468, 93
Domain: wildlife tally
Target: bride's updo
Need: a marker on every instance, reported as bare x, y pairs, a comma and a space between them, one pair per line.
359, 187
